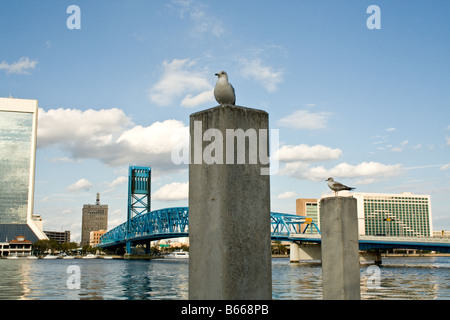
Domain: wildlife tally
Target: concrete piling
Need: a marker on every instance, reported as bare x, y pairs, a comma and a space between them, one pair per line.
340, 249
229, 207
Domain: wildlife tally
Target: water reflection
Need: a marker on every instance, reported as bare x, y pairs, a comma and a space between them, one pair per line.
422, 278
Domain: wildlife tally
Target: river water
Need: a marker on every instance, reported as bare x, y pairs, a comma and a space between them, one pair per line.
80, 279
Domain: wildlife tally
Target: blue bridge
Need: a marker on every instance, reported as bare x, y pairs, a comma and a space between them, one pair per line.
143, 226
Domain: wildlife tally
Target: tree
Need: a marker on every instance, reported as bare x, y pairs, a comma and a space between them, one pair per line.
43, 246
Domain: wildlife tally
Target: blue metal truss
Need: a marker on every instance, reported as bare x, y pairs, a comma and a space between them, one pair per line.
174, 222
283, 225
139, 188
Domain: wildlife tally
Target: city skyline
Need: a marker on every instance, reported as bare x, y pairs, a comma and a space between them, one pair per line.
368, 107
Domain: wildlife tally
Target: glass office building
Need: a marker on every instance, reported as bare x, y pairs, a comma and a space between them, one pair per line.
18, 121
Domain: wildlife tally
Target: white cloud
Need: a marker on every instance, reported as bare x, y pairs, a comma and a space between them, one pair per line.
80, 185
92, 127
445, 166
286, 195
369, 171
203, 22
390, 129
304, 119
20, 67
110, 136
448, 140
304, 152
265, 75
172, 192
180, 79
118, 181
192, 101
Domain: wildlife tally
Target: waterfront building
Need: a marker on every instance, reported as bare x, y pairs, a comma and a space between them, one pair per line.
308, 208
398, 215
382, 214
18, 127
95, 217
393, 214
94, 237
59, 236
20, 247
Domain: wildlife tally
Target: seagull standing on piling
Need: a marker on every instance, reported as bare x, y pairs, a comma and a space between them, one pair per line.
224, 91
336, 186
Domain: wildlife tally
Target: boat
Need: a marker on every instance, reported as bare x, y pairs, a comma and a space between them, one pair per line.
68, 257
12, 257
32, 257
50, 256
107, 257
90, 256
178, 255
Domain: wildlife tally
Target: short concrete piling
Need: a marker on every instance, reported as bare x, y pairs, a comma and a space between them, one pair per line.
340, 249
229, 209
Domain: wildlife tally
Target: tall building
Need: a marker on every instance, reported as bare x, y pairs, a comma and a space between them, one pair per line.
392, 214
18, 127
399, 215
95, 217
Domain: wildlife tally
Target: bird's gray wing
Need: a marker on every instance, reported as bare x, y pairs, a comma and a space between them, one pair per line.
234, 94
339, 185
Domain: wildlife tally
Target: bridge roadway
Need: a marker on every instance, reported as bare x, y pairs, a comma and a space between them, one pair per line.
174, 222
379, 242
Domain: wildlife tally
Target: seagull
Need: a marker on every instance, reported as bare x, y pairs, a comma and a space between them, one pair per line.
336, 186
224, 91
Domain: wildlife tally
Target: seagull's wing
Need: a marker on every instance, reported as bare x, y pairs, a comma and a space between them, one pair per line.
234, 94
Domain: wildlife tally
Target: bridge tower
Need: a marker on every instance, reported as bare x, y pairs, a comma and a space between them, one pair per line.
139, 182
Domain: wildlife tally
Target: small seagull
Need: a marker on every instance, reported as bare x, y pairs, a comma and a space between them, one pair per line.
224, 91
336, 186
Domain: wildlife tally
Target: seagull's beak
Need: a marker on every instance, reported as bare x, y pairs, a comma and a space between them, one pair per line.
216, 74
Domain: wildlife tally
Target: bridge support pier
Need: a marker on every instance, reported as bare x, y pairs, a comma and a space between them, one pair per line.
294, 254
305, 252
340, 249
229, 206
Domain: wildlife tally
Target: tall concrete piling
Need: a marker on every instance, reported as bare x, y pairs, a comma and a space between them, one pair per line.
229, 206
340, 249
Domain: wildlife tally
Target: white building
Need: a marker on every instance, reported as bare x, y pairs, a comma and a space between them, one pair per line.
393, 214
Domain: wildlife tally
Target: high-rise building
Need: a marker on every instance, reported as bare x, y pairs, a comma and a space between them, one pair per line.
392, 214
18, 127
95, 217
398, 215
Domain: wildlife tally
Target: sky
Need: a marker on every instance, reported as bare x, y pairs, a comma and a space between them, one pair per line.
360, 95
